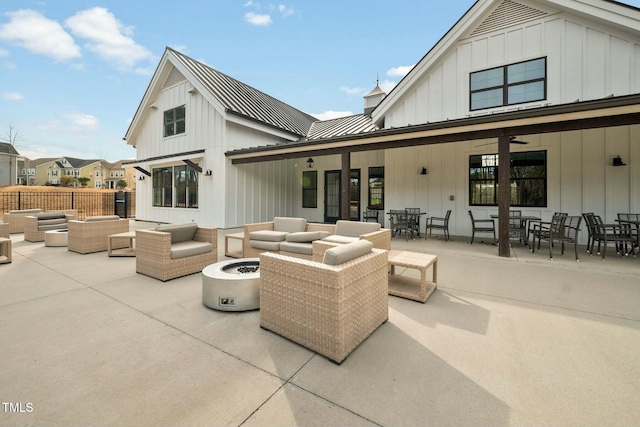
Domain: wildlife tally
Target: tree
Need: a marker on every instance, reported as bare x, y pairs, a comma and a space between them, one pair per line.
121, 184
83, 180
12, 138
66, 181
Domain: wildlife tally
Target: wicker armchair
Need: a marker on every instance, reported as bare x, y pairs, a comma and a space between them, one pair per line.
5, 230
329, 309
35, 226
15, 219
154, 253
92, 234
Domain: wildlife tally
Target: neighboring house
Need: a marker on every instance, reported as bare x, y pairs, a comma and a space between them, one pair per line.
116, 172
563, 76
41, 167
76, 168
26, 172
8, 164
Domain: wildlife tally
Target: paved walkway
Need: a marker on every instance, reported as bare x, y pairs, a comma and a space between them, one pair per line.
520, 341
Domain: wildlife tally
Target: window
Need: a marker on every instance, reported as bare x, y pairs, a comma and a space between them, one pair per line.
508, 85
310, 189
174, 121
528, 179
376, 187
185, 181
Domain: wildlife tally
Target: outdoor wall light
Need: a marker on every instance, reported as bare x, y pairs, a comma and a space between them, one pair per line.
617, 161
423, 171
207, 172
310, 162
141, 178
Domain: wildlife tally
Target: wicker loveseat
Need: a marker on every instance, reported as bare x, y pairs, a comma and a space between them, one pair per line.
36, 225
92, 234
15, 219
175, 250
295, 236
328, 305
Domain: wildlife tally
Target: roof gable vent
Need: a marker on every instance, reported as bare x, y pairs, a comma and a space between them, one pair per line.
175, 76
507, 14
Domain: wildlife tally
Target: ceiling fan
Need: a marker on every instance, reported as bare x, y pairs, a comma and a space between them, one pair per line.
513, 141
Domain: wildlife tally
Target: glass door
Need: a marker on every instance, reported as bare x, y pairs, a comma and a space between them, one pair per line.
332, 199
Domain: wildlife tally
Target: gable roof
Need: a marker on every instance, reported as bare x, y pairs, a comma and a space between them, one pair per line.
488, 15
80, 163
6, 148
350, 125
235, 97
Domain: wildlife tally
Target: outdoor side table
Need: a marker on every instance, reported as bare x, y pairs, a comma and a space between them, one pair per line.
409, 287
237, 253
127, 251
5, 250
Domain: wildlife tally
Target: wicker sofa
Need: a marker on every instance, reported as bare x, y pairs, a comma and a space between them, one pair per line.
329, 305
295, 236
36, 225
15, 219
175, 250
92, 234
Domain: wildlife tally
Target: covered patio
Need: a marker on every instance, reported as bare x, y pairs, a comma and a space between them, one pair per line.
502, 341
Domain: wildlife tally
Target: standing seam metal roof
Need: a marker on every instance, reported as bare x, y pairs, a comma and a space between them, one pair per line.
242, 99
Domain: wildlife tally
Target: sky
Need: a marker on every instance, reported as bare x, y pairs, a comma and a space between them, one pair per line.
73, 72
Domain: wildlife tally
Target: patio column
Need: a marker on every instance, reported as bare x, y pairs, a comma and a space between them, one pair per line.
345, 180
504, 195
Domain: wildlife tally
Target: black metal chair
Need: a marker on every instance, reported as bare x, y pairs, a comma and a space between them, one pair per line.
482, 226
517, 228
605, 233
549, 231
398, 222
413, 218
372, 215
439, 223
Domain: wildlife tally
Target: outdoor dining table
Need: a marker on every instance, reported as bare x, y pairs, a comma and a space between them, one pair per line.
417, 214
526, 218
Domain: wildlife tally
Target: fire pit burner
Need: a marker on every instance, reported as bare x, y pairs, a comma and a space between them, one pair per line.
232, 285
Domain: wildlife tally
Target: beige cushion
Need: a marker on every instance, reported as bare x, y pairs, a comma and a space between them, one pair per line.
265, 245
50, 215
268, 235
290, 225
23, 211
190, 248
101, 218
343, 253
297, 248
52, 221
335, 238
48, 227
179, 232
356, 228
306, 236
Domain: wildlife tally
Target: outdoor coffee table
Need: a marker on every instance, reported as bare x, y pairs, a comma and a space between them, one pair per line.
5, 250
128, 251
232, 285
56, 238
409, 287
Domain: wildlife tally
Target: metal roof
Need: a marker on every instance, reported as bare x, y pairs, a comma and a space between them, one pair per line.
350, 125
246, 101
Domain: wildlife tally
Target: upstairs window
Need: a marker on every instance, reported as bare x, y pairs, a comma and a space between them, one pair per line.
174, 121
508, 85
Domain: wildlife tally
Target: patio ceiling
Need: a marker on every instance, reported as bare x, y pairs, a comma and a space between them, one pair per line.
601, 113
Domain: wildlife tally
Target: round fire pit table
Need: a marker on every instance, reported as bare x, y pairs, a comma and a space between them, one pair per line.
56, 238
232, 285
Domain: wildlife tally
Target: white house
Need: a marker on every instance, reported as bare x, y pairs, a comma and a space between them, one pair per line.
563, 76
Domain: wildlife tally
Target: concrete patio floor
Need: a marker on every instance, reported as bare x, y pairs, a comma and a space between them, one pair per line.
522, 341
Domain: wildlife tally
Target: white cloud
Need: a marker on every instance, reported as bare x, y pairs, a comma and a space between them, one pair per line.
328, 115
400, 71
42, 36
81, 123
257, 19
108, 38
387, 85
12, 96
353, 90
285, 11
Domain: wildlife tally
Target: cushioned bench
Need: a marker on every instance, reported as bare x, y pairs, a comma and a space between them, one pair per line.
35, 226
15, 219
92, 234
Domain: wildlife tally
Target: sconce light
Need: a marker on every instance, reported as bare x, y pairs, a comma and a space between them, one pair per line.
207, 172
192, 91
423, 171
617, 161
310, 162
153, 106
141, 178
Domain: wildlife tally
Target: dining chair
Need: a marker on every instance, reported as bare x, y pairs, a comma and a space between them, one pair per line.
482, 226
438, 223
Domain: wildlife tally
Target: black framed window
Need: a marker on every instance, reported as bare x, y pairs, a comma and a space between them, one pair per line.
528, 179
163, 187
186, 183
376, 187
510, 84
174, 121
310, 189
